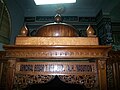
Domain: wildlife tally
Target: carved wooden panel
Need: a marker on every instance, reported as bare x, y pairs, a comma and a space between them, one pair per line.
55, 68
83, 73
52, 52
23, 80
113, 70
89, 81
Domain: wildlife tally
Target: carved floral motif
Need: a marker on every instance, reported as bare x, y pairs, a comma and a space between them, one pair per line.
23, 80
42, 72
89, 81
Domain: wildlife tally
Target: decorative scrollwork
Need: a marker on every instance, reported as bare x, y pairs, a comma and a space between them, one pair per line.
44, 54
110, 75
23, 80
102, 63
89, 81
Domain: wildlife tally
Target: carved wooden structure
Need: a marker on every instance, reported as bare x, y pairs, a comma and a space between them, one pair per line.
113, 70
77, 60
71, 63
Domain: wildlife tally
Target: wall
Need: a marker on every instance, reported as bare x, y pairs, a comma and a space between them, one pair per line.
116, 35
17, 18
5, 28
1, 47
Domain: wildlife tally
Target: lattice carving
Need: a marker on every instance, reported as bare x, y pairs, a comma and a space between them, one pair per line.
89, 81
23, 80
55, 68
110, 75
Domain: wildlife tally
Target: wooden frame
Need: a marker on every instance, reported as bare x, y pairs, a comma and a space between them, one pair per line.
58, 55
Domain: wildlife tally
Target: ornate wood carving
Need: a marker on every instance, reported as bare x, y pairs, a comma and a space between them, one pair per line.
89, 81
56, 68
23, 80
113, 70
55, 65
49, 52
110, 75
68, 72
102, 63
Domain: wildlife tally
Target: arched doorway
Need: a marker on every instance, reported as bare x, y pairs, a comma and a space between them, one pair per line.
55, 84
5, 23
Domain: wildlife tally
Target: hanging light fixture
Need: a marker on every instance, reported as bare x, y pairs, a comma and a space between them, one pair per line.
42, 2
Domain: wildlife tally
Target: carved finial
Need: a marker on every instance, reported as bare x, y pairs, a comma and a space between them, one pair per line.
58, 18
24, 31
90, 31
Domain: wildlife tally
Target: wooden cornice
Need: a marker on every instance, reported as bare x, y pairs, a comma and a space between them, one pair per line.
56, 52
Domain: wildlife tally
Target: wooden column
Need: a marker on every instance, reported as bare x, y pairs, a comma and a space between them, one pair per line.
102, 73
10, 73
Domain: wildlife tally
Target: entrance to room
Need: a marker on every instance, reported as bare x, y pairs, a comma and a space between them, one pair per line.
55, 84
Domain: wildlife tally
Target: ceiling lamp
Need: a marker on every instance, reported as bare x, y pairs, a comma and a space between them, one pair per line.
42, 2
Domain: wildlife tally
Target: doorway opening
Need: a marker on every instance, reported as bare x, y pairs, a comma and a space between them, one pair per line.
55, 84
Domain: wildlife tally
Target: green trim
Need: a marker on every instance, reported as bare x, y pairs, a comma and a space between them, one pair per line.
5, 31
1, 14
